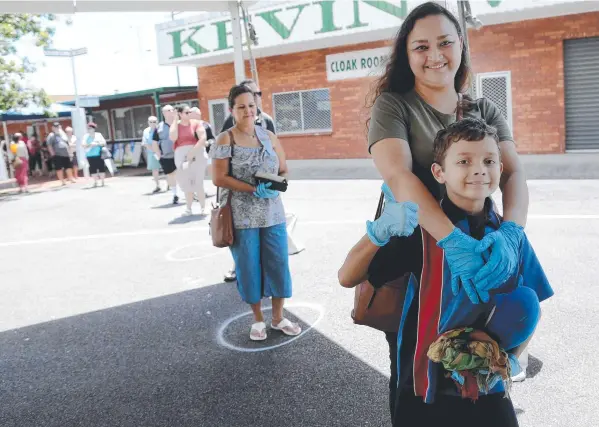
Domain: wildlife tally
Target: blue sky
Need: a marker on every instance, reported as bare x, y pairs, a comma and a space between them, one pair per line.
121, 55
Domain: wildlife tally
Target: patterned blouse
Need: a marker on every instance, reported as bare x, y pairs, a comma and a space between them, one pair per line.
250, 211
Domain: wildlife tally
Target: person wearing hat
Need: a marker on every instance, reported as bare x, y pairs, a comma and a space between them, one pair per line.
152, 157
58, 146
93, 144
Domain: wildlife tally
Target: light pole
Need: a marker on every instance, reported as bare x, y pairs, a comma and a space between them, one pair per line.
78, 119
71, 53
466, 17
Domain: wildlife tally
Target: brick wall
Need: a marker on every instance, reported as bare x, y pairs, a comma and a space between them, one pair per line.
531, 50
305, 70
534, 52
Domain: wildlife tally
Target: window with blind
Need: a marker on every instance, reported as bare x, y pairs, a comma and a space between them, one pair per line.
129, 123
302, 112
101, 119
219, 111
496, 87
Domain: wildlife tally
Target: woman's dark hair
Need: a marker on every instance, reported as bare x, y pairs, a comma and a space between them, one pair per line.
181, 107
398, 76
236, 91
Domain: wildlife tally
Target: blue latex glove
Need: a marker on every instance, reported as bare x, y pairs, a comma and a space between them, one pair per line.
397, 219
505, 256
263, 191
389, 197
463, 262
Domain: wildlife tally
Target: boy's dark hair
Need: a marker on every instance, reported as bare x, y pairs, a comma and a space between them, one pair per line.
463, 130
237, 90
247, 82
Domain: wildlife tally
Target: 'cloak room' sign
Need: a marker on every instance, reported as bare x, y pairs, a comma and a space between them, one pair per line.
356, 64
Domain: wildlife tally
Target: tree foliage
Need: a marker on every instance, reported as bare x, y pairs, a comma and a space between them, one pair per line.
14, 92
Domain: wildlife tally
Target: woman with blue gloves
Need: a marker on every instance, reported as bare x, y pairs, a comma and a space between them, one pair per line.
415, 98
260, 247
421, 92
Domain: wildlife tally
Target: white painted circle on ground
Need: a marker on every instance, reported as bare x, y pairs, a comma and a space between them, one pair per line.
170, 255
220, 336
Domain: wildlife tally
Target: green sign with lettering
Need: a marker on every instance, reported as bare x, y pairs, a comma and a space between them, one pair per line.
302, 21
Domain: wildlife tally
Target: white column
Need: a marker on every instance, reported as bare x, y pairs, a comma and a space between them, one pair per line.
74, 79
237, 43
78, 121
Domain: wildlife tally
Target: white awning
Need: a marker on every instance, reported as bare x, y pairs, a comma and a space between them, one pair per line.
73, 6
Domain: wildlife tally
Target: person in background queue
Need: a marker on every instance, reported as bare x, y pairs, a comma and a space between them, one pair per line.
260, 248
60, 151
18, 149
72, 140
163, 148
190, 157
196, 114
263, 120
35, 155
93, 142
152, 158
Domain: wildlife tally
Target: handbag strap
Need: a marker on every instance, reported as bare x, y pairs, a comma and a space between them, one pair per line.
458, 116
379, 209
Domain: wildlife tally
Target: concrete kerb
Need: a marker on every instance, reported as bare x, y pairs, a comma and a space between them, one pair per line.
537, 166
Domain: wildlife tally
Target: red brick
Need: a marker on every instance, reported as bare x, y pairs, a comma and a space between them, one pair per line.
531, 50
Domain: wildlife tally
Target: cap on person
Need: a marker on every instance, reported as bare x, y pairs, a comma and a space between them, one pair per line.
92, 125
55, 124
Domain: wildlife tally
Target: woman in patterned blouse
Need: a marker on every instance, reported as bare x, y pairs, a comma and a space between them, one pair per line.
260, 248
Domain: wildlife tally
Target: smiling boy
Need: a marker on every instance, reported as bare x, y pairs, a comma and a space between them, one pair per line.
467, 161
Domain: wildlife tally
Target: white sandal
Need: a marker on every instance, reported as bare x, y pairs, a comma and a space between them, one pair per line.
258, 331
288, 328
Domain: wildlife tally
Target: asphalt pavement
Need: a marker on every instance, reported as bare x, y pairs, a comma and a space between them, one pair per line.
114, 313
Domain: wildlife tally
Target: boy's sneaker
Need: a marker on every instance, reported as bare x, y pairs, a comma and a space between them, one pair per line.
519, 377
231, 276
187, 212
175, 200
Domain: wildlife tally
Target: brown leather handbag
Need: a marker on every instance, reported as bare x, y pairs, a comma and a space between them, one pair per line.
380, 308
221, 217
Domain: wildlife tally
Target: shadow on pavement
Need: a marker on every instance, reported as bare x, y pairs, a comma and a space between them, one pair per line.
167, 206
157, 363
187, 219
9, 197
534, 367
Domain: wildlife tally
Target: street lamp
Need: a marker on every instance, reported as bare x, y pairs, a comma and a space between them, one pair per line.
78, 119
70, 53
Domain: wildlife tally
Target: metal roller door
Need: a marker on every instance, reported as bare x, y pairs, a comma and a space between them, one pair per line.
581, 70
